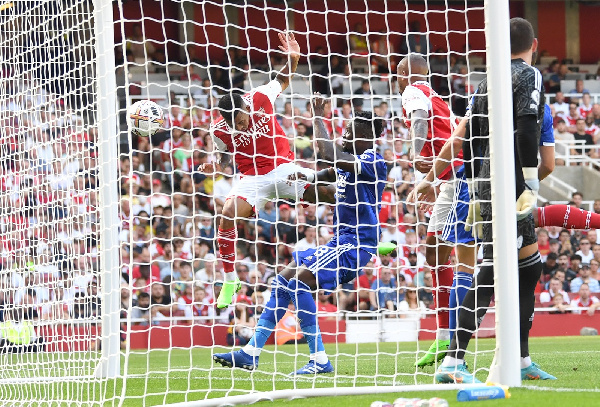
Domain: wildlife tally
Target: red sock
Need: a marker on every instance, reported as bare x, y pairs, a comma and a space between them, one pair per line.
568, 217
226, 239
442, 280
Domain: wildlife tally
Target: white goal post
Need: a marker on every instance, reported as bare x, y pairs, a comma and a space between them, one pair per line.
108, 248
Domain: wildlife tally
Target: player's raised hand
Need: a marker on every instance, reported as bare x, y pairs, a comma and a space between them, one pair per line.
318, 103
289, 45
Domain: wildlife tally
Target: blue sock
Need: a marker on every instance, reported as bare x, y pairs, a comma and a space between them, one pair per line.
307, 315
275, 309
460, 287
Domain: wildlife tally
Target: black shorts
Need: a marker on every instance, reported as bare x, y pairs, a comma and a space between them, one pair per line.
525, 227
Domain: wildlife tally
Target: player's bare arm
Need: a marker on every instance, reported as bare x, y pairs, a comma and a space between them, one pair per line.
418, 133
330, 151
547, 161
290, 46
450, 151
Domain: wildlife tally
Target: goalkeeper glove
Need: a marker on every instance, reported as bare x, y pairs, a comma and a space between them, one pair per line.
474, 219
527, 201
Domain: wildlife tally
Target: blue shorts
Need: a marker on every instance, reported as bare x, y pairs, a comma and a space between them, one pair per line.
454, 230
334, 263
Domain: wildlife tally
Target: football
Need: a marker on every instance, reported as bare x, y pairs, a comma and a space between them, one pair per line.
145, 118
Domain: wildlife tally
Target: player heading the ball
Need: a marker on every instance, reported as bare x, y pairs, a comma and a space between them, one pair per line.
249, 133
361, 174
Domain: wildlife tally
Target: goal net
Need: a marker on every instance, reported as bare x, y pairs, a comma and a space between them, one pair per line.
109, 240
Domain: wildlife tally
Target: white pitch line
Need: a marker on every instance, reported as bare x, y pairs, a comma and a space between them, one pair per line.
562, 389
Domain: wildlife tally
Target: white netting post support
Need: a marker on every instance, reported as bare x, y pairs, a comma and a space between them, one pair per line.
108, 195
506, 369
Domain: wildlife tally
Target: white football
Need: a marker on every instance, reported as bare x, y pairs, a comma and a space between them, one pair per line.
145, 118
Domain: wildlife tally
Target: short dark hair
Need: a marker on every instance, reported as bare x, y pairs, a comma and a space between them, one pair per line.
229, 104
143, 295
552, 256
576, 257
368, 125
521, 35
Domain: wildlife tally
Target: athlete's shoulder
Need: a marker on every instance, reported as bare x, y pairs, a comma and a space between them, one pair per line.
219, 126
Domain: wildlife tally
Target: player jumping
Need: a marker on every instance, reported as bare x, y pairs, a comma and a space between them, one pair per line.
431, 124
250, 133
360, 173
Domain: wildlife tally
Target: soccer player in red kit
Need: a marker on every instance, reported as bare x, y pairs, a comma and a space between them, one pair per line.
249, 133
431, 124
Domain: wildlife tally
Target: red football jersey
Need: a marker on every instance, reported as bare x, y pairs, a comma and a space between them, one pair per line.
264, 145
420, 96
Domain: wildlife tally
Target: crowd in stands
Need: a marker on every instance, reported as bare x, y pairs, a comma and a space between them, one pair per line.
169, 211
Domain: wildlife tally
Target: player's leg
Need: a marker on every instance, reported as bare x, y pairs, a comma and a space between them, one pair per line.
275, 309
565, 216
437, 254
530, 270
466, 256
240, 203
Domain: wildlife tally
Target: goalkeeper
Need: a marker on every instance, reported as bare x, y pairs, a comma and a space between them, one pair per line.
528, 112
361, 175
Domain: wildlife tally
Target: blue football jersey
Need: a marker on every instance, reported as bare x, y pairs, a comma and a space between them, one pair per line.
547, 137
358, 200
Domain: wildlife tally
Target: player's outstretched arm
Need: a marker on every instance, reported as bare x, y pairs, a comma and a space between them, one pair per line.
329, 151
290, 46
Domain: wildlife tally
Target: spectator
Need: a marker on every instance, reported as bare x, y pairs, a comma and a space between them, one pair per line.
562, 277
562, 135
549, 266
561, 108
392, 234
160, 303
309, 241
596, 251
558, 305
363, 285
596, 113
579, 88
415, 41
574, 267
411, 307
365, 89
577, 199
572, 117
200, 306
426, 292
584, 299
384, 294
594, 265
543, 243
591, 128
559, 75
555, 288
324, 303
138, 45
581, 135
142, 309
359, 43
585, 250
241, 323
585, 278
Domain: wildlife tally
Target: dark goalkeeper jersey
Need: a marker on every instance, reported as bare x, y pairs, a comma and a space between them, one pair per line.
528, 99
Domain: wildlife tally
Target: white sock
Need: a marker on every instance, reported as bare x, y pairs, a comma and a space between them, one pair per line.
449, 361
525, 362
319, 357
230, 277
443, 334
252, 350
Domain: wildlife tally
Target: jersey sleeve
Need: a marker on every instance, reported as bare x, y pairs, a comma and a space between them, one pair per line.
527, 93
371, 167
414, 99
547, 138
271, 90
217, 141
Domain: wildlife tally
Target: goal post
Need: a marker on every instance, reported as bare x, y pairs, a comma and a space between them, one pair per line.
506, 369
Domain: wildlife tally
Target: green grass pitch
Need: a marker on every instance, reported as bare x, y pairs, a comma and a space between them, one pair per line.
176, 375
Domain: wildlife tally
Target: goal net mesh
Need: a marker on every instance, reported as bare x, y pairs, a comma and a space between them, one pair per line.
185, 56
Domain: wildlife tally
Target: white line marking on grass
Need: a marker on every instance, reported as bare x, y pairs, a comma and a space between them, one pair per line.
562, 389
